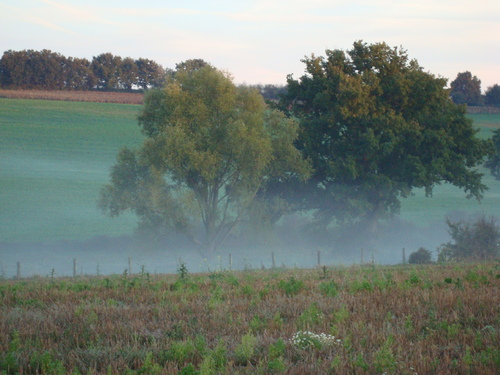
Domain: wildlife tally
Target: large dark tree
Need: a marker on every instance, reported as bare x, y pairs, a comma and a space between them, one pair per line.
466, 89
492, 95
376, 126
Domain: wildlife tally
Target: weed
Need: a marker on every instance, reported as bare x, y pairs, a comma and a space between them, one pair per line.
219, 354
329, 288
181, 351
384, 358
10, 361
310, 317
245, 351
257, 324
276, 365
183, 272
292, 286
341, 315
277, 349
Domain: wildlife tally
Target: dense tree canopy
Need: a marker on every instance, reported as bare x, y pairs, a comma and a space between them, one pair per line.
210, 147
466, 89
47, 70
376, 126
493, 162
492, 96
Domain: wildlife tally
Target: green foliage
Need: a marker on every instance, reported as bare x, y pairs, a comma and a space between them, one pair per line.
183, 272
493, 162
311, 317
421, 256
277, 349
47, 70
189, 369
149, 366
466, 89
245, 351
492, 95
329, 288
479, 240
384, 358
292, 286
376, 126
181, 351
210, 146
9, 360
219, 355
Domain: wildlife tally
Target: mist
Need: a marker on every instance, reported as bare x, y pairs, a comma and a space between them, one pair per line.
291, 244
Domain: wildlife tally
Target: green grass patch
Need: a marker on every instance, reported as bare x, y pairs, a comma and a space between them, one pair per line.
54, 158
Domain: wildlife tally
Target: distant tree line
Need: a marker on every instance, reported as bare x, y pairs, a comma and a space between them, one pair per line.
466, 89
47, 70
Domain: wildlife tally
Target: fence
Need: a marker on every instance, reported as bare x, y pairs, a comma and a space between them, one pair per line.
315, 261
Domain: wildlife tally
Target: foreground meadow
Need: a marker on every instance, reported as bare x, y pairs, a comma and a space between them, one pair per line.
436, 319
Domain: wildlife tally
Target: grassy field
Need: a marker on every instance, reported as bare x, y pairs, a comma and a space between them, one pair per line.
56, 155
401, 320
54, 158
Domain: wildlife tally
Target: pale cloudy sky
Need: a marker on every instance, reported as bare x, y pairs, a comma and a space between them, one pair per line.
260, 41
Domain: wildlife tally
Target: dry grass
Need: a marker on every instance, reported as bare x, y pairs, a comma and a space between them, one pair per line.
394, 320
77, 96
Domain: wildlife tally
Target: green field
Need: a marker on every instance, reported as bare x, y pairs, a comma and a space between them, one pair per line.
55, 156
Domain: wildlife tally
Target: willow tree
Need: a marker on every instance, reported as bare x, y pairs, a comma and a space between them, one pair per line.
210, 146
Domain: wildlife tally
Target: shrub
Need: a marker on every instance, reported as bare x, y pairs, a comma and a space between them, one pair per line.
421, 256
479, 240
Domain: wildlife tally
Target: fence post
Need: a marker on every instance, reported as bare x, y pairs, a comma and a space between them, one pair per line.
404, 256
74, 267
230, 262
274, 261
319, 258
129, 266
18, 270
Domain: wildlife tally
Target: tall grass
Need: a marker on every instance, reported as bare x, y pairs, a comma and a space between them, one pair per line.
360, 320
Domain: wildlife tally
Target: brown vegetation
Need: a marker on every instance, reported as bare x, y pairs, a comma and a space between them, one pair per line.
394, 320
76, 96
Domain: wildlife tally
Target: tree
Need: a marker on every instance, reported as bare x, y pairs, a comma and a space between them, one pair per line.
493, 162
492, 96
129, 73
466, 89
210, 147
150, 74
479, 240
107, 69
190, 65
421, 256
376, 126
79, 75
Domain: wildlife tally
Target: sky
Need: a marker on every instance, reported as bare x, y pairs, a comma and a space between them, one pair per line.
260, 41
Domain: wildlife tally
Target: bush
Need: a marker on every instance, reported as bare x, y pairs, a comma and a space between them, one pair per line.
421, 256
479, 240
